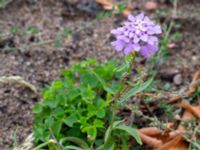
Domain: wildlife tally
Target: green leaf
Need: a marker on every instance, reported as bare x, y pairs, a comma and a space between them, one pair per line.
53, 102
124, 145
37, 108
106, 88
92, 133
136, 90
57, 84
107, 134
58, 112
70, 120
87, 93
110, 145
98, 123
117, 123
101, 113
89, 79
56, 127
76, 141
130, 131
73, 93
71, 147
121, 7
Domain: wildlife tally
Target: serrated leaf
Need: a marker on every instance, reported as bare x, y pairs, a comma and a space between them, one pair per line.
70, 120
56, 127
89, 79
58, 112
87, 93
101, 113
37, 108
98, 123
130, 131
53, 102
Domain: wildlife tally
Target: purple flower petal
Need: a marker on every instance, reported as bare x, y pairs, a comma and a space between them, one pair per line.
128, 49
157, 29
124, 38
152, 40
146, 19
150, 32
144, 37
115, 31
131, 18
145, 52
148, 50
136, 39
131, 34
118, 44
140, 16
138, 33
136, 47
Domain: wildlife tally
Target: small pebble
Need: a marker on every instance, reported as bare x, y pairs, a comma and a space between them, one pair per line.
177, 79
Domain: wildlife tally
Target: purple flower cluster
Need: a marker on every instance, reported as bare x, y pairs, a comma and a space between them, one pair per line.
137, 34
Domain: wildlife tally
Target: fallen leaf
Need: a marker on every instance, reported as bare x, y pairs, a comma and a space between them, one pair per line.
195, 110
153, 142
150, 131
195, 78
178, 143
150, 5
107, 5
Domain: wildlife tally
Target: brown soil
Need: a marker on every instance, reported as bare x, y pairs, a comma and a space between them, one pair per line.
40, 65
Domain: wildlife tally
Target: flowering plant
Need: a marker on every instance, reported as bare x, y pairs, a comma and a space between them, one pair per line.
80, 110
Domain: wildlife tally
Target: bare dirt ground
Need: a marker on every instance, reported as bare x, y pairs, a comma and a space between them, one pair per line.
90, 37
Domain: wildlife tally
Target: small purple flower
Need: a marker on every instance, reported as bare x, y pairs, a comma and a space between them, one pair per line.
137, 34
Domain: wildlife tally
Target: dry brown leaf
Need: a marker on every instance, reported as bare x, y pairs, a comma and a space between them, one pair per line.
150, 131
106, 4
195, 78
178, 143
195, 110
181, 129
150, 5
172, 140
153, 142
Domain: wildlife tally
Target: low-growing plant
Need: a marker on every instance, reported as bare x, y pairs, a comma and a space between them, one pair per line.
77, 108
79, 111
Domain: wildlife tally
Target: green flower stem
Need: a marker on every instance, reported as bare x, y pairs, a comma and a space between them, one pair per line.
117, 95
44, 144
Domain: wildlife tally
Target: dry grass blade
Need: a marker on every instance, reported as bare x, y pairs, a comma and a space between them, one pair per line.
27, 144
18, 80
